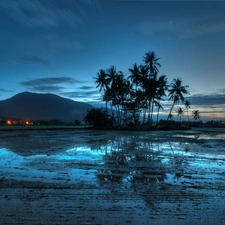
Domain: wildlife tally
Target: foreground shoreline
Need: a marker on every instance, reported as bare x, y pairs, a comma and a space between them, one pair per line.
72, 127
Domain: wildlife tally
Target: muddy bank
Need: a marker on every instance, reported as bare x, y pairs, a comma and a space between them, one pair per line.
99, 177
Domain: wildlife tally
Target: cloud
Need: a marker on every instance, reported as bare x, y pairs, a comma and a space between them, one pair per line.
50, 81
49, 13
52, 84
151, 27
4, 90
46, 88
203, 26
62, 42
184, 28
207, 100
34, 59
83, 95
86, 87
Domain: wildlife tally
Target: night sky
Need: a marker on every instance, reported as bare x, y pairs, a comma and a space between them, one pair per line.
58, 46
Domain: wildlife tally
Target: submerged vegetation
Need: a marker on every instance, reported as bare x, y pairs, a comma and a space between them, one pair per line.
131, 101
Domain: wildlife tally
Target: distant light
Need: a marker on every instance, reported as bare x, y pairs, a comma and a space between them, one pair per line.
27, 123
9, 122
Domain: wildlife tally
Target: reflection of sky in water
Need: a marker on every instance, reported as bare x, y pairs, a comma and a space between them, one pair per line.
81, 154
78, 163
203, 134
17, 167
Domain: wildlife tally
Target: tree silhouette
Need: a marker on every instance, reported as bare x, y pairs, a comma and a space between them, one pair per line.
151, 63
176, 92
187, 106
135, 76
196, 114
141, 92
102, 82
180, 112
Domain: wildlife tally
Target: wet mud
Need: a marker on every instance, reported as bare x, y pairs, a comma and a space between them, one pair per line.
103, 177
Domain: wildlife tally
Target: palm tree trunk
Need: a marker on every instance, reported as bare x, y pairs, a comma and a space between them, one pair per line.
187, 116
152, 110
144, 114
157, 120
171, 110
149, 109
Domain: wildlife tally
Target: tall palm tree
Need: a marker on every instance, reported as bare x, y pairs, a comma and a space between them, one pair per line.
159, 106
141, 94
148, 86
102, 82
135, 75
151, 62
112, 75
196, 114
180, 112
187, 106
176, 92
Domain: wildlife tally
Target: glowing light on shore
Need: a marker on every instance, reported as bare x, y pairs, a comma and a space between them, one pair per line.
9, 122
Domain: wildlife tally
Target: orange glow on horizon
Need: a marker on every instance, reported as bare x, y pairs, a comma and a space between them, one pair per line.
9, 122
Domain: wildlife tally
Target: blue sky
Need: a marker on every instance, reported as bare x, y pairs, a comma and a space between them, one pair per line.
58, 46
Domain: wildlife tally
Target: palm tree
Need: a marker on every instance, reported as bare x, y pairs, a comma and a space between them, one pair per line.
161, 87
159, 106
135, 75
196, 114
112, 75
180, 112
170, 116
176, 92
151, 62
187, 106
101, 80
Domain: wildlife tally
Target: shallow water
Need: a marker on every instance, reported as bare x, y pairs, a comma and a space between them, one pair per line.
144, 176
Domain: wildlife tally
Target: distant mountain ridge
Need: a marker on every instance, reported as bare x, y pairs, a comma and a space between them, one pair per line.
33, 106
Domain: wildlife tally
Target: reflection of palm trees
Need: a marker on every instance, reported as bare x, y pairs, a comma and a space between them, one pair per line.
133, 162
114, 164
132, 159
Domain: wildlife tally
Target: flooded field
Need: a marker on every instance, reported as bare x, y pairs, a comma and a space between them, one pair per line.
110, 177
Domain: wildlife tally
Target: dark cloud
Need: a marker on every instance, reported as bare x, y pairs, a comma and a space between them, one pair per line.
34, 59
4, 90
207, 100
51, 84
222, 90
50, 81
49, 13
86, 87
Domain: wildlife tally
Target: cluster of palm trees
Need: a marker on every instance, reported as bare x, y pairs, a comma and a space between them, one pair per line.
181, 111
140, 93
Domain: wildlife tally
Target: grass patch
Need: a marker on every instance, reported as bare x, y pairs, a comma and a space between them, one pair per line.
41, 127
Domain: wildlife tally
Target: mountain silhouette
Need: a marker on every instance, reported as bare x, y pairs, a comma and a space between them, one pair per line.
32, 106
